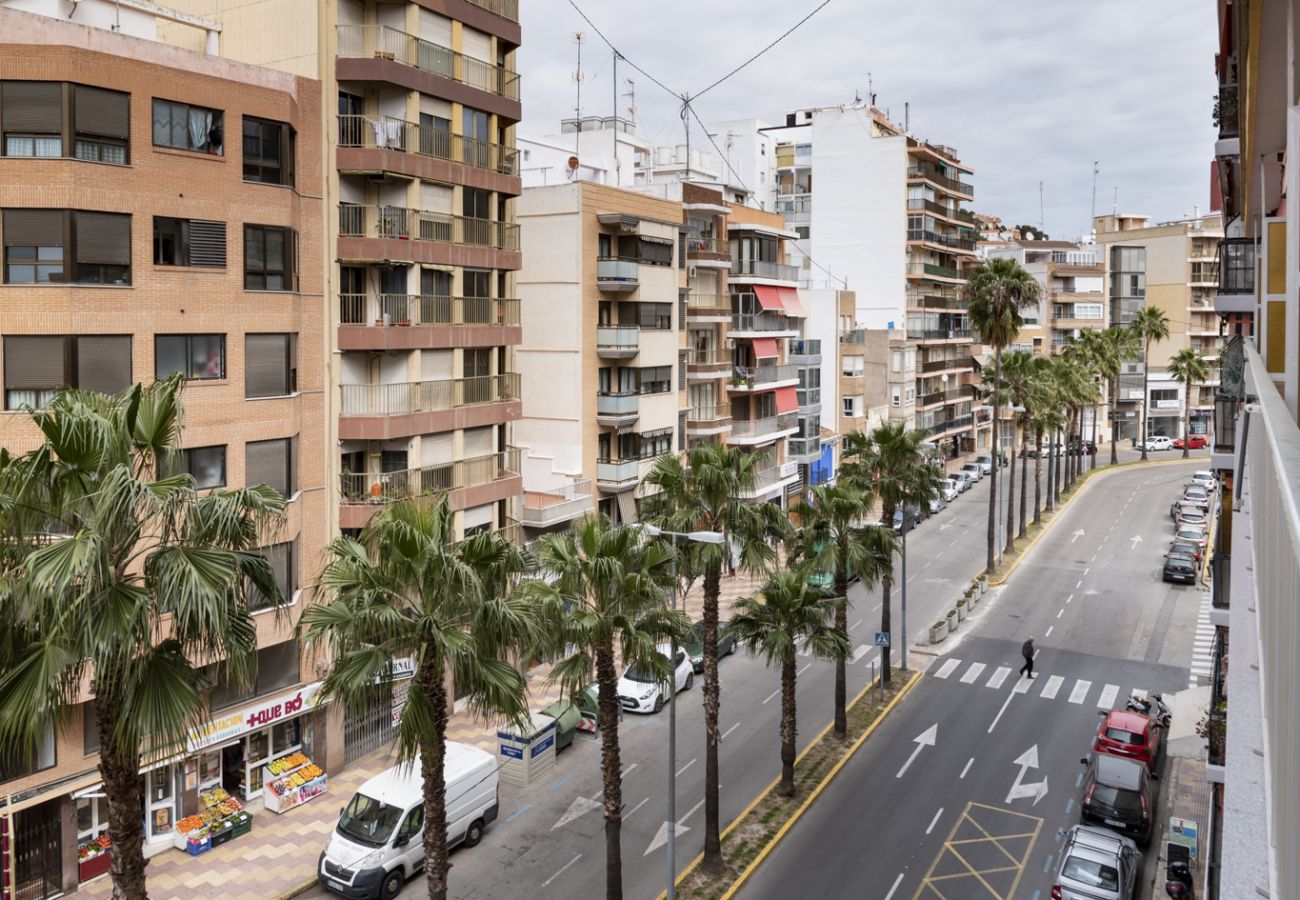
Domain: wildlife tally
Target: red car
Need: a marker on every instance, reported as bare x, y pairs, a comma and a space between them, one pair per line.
1132, 736
1194, 442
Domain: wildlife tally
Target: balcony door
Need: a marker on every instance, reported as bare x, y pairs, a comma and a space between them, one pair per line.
351, 125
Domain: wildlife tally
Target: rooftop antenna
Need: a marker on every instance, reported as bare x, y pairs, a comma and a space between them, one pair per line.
577, 108
1114, 204
1042, 224
614, 131
871, 89
630, 94
1096, 168
907, 115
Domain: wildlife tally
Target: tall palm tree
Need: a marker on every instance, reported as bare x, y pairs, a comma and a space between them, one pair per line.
704, 491
788, 613
1187, 368
133, 548
892, 463
1016, 371
1076, 391
605, 599
999, 289
1150, 325
1020, 372
1045, 418
837, 539
1116, 345
1090, 347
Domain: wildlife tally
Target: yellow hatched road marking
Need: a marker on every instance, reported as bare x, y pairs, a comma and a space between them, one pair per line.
929, 886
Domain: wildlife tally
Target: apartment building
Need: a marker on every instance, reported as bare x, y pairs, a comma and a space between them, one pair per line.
160, 212
1171, 265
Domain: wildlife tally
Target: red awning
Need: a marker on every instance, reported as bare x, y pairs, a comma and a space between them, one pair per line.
786, 400
765, 348
790, 300
769, 298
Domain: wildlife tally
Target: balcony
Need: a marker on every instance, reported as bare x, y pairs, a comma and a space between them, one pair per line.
759, 268
616, 476
542, 509
804, 352
708, 251
763, 378
381, 42
946, 365
371, 322
935, 297
761, 325
937, 398
617, 408
1236, 293
708, 307
375, 412
1225, 114
618, 341
930, 270
707, 420
857, 337
765, 481
751, 432
1204, 275
949, 241
957, 423
932, 175
364, 133
397, 224
506, 9
809, 400
617, 275
803, 450
920, 204
939, 334
707, 364
470, 482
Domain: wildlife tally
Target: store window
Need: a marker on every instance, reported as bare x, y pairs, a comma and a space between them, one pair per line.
92, 836
160, 787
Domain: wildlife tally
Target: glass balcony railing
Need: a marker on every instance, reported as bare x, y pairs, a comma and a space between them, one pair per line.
617, 338
617, 472
617, 403
623, 271
411, 137
385, 42
426, 396
759, 322
758, 268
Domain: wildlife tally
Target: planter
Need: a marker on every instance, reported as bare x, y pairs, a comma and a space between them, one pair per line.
961, 610
973, 599
938, 631
952, 620
983, 583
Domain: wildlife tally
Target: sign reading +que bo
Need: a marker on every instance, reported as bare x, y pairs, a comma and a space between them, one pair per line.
276, 712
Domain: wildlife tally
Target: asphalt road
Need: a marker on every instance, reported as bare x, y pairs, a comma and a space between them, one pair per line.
978, 812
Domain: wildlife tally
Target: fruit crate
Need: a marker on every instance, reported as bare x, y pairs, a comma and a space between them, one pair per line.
220, 835
194, 848
243, 824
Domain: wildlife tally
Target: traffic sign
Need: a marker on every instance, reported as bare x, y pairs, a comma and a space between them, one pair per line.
882, 638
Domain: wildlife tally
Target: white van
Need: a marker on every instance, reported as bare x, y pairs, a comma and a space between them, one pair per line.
379, 840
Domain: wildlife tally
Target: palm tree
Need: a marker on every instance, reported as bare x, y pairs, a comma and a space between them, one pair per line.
1149, 325
605, 596
1187, 368
1116, 345
406, 589
1044, 416
1076, 391
892, 463
787, 614
1091, 348
704, 492
1015, 372
1020, 372
98, 548
836, 539
999, 289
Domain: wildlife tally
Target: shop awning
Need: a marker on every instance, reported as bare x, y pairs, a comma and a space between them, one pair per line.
765, 348
790, 300
786, 400
769, 298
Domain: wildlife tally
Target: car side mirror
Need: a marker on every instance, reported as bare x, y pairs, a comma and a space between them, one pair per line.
402, 840
1102, 712
1083, 761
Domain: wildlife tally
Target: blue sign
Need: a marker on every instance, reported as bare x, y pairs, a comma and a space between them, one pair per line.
512, 752
542, 746
822, 469
882, 638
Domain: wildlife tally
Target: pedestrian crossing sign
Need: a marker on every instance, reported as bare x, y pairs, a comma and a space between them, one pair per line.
882, 638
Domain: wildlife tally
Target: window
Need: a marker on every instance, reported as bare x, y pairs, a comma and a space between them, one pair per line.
207, 465
273, 463
895, 396
909, 394
31, 117
646, 445
283, 561
270, 365
101, 247
650, 316
852, 407
184, 127
1088, 310
14, 764
189, 242
268, 151
269, 258
33, 245
39, 244
655, 379
35, 366
852, 366
198, 356
102, 121
47, 118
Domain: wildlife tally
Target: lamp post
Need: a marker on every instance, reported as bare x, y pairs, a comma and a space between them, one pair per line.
700, 537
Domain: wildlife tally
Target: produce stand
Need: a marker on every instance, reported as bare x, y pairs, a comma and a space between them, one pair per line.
93, 857
220, 819
291, 782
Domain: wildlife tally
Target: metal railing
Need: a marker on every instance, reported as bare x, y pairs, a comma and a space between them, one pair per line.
806, 347
385, 487
932, 175
389, 133
403, 223
947, 425
808, 398
857, 336
944, 396
920, 204
761, 268
506, 9
797, 446
542, 508
935, 297
426, 396
759, 322
708, 414
940, 365
751, 376
385, 42
945, 240
937, 334
696, 246
426, 309
918, 268
768, 425
709, 357
708, 304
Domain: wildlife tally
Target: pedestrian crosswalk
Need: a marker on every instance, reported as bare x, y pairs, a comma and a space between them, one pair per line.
1049, 687
1202, 670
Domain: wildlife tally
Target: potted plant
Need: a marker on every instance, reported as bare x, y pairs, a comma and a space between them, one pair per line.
938, 631
961, 609
983, 583
952, 619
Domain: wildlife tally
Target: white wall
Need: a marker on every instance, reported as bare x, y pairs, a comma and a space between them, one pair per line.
823, 324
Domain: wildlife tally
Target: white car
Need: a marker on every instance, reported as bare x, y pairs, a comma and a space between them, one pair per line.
642, 692
1159, 443
948, 490
1205, 480
936, 503
1193, 533
985, 464
962, 480
974, 471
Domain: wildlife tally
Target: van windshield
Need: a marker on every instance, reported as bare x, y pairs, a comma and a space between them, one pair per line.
368, 821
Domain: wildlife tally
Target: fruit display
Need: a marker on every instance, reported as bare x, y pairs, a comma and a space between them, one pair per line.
300, 780
213, 797
287, 763
92, 847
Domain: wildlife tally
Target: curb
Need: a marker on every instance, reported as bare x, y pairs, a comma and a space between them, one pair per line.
300, 889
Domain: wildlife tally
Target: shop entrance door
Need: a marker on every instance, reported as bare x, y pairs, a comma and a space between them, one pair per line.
370, 730
38, 852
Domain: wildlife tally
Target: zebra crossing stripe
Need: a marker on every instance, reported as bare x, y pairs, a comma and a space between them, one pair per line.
1053, 685
972, 673
999, 676
946, 669
1080, 692
862, 651
1107, 698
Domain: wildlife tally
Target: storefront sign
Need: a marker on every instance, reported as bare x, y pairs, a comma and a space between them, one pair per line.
399, 700
252, 718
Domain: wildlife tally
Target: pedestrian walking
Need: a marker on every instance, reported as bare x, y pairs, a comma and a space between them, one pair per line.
1027, 651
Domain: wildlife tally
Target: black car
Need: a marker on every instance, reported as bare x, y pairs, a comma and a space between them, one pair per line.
1180, 567
694, 644
1077, 447
1118, 794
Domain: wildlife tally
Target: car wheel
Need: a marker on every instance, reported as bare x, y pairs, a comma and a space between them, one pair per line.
392, 885
474, 833
659, 701
690, 681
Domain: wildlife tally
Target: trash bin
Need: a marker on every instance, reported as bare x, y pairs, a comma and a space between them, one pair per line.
527, 754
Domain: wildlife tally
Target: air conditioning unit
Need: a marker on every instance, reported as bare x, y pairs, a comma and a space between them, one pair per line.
690, 271
731, 343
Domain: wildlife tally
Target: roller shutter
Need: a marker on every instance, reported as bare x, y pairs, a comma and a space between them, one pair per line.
100, 112
103, 238
207, 244
266, 365
32, 106
35, 362
104, 363
34, 227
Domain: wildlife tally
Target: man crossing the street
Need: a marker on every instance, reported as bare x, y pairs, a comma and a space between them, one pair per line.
1027, 651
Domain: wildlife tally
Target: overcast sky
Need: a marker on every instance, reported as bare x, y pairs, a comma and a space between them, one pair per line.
1026, 90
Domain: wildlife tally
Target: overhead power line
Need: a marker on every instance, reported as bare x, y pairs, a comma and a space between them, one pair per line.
785, 35
621, 54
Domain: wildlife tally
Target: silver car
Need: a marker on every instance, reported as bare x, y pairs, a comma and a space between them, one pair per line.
1097, 864
962, 480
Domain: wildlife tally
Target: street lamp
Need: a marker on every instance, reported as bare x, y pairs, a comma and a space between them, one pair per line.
699, 537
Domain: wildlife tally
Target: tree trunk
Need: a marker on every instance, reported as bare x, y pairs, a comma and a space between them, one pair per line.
992, 539
886, 583
1092, 462
1024, 489
611, 770
1187, 418
789, 733
1038, 477
712, 861
1114, 430
1051, 469
432, 754
841, 686
1059, 466
1011, 492
119, 767
1146, 424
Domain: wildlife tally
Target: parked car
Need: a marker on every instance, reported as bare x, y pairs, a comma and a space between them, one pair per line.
1187, 548
1194, 442
1195, 494
936, 503
574, 715
1159, 443
1097, 864
1187, 514
693, 644
1180, 567
1205, 479
1118, 794
962, 480
1131, 735
985, 463
643, 692
948, 490
1078, 446
1192, 533
974, 470
1179, 506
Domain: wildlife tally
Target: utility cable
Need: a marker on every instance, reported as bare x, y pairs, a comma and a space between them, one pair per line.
623, 55
787, 33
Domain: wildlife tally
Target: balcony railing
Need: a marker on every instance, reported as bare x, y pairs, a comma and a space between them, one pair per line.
857, 336
932, 175
506, 9
426, 309
920, 204
617, 403
708, 305
426, 396
917, 268
947, 425
384, 42
808, 398
759, 322
544, 508
761, 268
616, 471
946, 240
708, 357
708, 416
938, 334
806, 352
747, 376
622, 271
618, 338
752, 428
401, 223
411, 137
697, 246
385, 487
935, 297
944, 396
941, 365
1225, 111
798, 446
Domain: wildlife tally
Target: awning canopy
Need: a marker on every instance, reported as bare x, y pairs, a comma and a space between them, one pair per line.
790, 300
769, 298
786, 400
765, 348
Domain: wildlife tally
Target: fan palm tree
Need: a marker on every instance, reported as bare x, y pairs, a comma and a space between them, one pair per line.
1015, 374
1090, 347
892, 463
1149, 325
604, 598
1044, 417
704, 491
787, 614
133, 548
1187, 368
836, 539
999, 289
1021, 372
1076, 391
1116, 345
406, 589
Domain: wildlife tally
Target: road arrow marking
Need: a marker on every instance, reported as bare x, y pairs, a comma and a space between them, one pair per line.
1136, 539
924, 739
661, 836
1038, 790
578, 808
1078, 534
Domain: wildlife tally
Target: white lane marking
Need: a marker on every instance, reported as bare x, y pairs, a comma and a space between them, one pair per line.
628, 771
1069, 598
862, 651
972, 673
1005, 704
897, 881
966, 768
939, 555
1048, 633
690, 812
628, 814
1107, 698
911, 578
1053, 685
547, 882
806, 667
999, 676
685, 767
1078, 584
771, 696
1086, 571
724, 735
924, 739
934, 821
1060, 612
855, 625
946, 669
1080, 692
1094, 558
876, 608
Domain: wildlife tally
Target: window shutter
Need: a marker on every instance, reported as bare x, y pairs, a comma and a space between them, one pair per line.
101, 112
293, 466
207, 244
266, 365
681, 431
33, 362
35, 106
33, 227
291, 260
104, 363
267, 462
103, 238
681, 370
